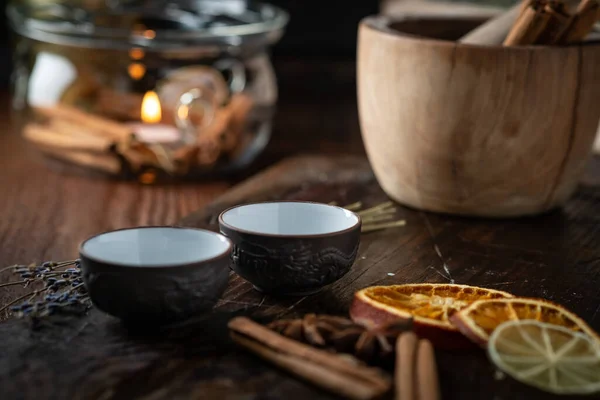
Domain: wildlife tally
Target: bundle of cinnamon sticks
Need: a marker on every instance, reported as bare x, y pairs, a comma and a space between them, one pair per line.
550, 22
94, 141
415, 377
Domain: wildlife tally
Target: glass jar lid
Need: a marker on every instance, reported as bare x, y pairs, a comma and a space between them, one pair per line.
152, 24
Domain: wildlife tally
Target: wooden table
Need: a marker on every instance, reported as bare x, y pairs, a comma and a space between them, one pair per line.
52, 211
47, 214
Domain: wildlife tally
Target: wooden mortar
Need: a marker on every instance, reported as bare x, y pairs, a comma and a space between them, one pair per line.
473, 130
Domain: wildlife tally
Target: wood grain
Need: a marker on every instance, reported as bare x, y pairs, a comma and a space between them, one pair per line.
485, 131
555, 256
47, 212
49, 208
442, 9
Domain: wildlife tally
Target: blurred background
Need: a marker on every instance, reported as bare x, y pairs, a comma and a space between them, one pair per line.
4, 53
318, 28
314, 65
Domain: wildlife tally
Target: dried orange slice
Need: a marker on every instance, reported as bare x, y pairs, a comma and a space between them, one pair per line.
550, 357
479, 320
429, 305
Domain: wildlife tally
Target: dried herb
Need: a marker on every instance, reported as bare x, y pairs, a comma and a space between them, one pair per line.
372, 345
57, 288
376, 218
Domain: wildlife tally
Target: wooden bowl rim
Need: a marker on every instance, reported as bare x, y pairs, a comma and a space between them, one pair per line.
381, 24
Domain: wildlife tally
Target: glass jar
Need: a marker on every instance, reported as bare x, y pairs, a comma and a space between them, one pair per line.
146, 89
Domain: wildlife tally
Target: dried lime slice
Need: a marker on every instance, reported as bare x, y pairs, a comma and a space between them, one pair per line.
550, 357
480, 318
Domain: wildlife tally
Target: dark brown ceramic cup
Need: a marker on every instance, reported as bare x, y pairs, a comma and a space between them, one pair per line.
291, 248
155, 274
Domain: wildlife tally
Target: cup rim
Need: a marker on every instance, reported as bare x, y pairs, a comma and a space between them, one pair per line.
224, 254
267, 30
382, 25
222, 223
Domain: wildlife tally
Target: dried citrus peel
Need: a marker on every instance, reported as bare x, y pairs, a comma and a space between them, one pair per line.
432, 304
479, 320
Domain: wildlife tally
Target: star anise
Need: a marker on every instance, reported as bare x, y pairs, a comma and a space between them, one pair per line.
373, 345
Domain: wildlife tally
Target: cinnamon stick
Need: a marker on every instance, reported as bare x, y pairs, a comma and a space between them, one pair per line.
185, 158
405, 378
427, 377
217, 126
209, 151
327, 370
528, 28
138, 154
321, 376
91, 123
558, 22
48, 137
72, 129
212, 138
494, 31
581, 23
240, 106
525, 4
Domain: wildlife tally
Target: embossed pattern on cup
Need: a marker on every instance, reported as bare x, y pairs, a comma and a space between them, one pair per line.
155, 274
291, 248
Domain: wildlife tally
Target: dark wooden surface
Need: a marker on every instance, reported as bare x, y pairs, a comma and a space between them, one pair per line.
555, 256
47, 212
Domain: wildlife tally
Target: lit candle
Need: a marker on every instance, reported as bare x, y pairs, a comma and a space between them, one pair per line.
151, 130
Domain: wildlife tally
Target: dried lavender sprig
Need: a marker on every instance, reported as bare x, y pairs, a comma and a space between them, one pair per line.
60, 283
25, 282
14, 267
35, 293
31, 268
74, 287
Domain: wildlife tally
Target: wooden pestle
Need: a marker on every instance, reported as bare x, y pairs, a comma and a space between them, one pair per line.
494, 31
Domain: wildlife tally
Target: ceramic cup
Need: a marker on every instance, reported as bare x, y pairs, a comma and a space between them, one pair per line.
155, 274
291, 248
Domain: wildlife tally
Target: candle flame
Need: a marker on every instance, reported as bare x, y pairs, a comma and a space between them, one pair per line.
151, 112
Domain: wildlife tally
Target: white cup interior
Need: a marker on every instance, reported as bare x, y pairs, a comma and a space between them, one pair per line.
289, 218
160, 246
